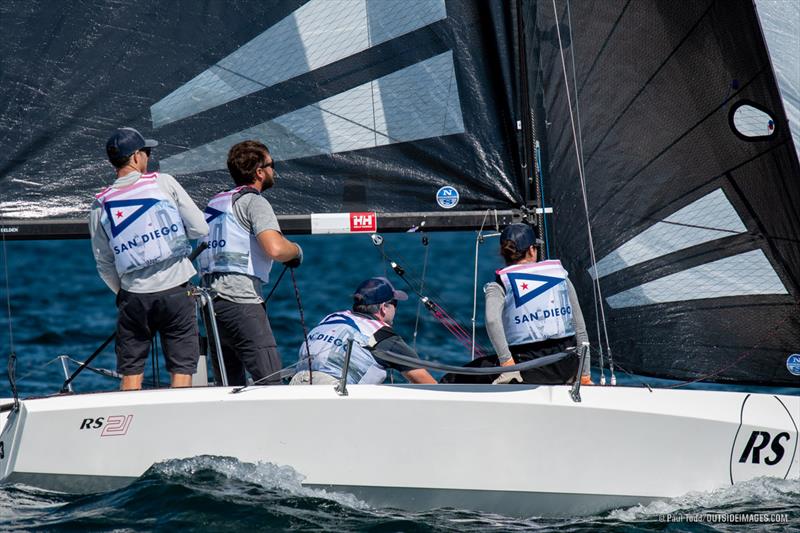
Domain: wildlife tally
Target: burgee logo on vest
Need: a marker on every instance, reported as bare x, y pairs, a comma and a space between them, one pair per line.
122, 213
211, 214
526, 287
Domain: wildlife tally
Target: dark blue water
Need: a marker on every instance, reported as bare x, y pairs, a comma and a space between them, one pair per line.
60, 306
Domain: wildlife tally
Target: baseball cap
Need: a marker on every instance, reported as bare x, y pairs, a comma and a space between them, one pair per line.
377, 291
522, 235
125, 142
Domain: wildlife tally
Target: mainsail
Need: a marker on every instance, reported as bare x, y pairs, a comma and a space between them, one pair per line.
367, 106
691, 180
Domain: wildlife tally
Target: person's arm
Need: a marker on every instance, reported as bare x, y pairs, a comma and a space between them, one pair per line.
103, 255
194, 221
581, 334
394, 344
495, 300
278, 247
257, 216
419, 375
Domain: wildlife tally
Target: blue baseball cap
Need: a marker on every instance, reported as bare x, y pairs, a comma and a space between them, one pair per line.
522, 235
125, 142
377, 291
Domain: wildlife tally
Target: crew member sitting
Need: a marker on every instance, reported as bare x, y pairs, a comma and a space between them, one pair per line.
532, 310
369, 325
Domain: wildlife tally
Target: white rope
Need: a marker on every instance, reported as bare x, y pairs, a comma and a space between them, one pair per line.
582, 177
597, 305
426, 243
475, 280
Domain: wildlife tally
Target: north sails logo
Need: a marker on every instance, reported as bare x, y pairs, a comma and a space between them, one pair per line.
122, 213
526, 287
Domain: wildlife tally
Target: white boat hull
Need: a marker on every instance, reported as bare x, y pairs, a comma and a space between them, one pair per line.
516, 450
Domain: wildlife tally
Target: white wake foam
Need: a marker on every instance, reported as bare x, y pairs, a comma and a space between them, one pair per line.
750, 494
264, 474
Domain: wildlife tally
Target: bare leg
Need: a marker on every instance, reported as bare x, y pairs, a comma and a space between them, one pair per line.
181, 380
133, 382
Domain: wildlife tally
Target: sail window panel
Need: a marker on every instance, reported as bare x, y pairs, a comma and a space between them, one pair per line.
418, 102
780, 21
707, 219
752, 122
746, 274
319, 33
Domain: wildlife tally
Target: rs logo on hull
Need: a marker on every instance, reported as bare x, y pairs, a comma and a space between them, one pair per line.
766, 441
112, 426
758, 441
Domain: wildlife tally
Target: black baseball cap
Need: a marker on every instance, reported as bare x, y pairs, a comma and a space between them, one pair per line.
377, 291
522, 235
125, 142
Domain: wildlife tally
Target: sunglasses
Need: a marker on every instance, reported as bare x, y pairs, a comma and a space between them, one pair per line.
146, 151
268, 165
392, 303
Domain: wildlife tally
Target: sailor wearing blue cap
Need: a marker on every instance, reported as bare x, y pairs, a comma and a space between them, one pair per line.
369, 325
140, 228
532, 310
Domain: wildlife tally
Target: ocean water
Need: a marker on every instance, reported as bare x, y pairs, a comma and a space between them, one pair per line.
59, 306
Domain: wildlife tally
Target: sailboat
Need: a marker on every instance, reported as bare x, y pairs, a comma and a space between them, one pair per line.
648, 141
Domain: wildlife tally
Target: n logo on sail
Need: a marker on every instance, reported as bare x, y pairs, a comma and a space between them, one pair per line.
526, 287
122, 213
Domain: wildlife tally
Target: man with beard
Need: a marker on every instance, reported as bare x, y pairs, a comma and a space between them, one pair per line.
244, 239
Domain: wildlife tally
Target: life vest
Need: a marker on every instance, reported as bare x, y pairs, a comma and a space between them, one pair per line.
328, 345
537, 306
143, 225
231, 248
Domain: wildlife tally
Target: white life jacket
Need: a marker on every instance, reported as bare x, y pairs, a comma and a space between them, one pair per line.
143, 225
328, 345
231, 248
537, 304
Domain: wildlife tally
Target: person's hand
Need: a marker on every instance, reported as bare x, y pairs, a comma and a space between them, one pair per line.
586, 380
297, 260
508, 377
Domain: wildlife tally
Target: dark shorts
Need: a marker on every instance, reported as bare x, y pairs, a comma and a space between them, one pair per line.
247, 343
561, 372
171, 314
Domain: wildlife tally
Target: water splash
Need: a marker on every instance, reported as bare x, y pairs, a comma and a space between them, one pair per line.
755, 495
264, 474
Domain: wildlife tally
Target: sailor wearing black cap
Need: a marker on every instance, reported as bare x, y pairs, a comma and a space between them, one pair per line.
140, 228
369, 325
532, 310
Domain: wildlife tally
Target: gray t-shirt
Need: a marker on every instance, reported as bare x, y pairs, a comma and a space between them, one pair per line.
255, 214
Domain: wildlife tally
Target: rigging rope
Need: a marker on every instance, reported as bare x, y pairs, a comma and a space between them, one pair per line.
582, 177
421, 287
438, 312
303, 324
11, 368
478, 240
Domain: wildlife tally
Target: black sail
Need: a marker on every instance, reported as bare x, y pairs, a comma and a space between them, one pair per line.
692, 183
367, 106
